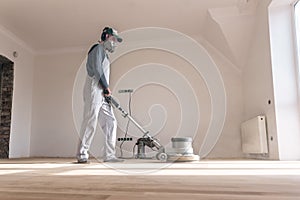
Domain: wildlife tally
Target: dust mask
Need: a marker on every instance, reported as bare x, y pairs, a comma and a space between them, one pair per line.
109, 45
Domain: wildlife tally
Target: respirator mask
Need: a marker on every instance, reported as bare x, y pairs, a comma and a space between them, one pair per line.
110, 45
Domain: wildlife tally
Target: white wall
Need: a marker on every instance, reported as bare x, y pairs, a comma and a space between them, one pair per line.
257, 79
285, 79
242, 36
229, 143
22, 93
53, 130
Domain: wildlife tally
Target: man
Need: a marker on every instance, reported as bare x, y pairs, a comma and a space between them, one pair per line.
95, 106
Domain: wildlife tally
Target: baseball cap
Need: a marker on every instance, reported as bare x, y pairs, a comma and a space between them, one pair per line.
110, 31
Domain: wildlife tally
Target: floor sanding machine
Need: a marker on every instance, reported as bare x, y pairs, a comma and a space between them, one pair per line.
181, 151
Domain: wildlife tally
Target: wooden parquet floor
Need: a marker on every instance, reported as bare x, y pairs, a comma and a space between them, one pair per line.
61, 179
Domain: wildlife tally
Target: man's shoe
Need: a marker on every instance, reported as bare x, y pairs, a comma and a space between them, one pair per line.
114, 160
82, 161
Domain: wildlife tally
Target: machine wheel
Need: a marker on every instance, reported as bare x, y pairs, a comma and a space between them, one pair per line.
162, 156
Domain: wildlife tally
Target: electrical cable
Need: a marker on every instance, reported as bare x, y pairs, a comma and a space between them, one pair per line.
127, 126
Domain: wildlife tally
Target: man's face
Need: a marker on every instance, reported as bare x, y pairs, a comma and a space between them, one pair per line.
112, 38
110, 43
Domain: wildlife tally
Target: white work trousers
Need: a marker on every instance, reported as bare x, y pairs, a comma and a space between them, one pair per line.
96, 109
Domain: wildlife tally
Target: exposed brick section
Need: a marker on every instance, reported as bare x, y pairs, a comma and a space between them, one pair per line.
6, 92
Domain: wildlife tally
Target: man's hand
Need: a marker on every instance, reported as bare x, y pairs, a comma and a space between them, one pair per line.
107, 92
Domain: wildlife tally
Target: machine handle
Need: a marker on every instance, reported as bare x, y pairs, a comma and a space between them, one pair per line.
111, 100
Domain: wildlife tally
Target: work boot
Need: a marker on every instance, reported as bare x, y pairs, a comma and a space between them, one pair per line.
82, 161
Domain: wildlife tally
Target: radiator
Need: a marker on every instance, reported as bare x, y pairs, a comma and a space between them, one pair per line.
254, 136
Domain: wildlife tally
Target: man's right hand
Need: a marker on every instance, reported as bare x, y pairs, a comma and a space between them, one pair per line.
107, 92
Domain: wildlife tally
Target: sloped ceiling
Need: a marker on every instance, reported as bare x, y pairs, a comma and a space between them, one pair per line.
230, 29
57, 24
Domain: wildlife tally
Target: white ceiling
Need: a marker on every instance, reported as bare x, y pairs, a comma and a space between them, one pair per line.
57, 24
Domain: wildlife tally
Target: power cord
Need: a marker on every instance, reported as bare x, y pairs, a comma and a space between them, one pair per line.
127, 126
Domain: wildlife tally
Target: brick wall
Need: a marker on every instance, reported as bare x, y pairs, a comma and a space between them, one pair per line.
6, 91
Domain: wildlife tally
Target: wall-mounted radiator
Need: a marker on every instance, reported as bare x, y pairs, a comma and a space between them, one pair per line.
254, 136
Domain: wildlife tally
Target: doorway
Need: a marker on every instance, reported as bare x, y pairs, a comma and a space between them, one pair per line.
6, 95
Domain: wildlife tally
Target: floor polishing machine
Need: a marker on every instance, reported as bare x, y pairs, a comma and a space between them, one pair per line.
181, 151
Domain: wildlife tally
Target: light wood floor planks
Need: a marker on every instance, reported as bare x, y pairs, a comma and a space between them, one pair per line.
61, 179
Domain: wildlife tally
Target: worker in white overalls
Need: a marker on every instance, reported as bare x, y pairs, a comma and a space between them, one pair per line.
95, 106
